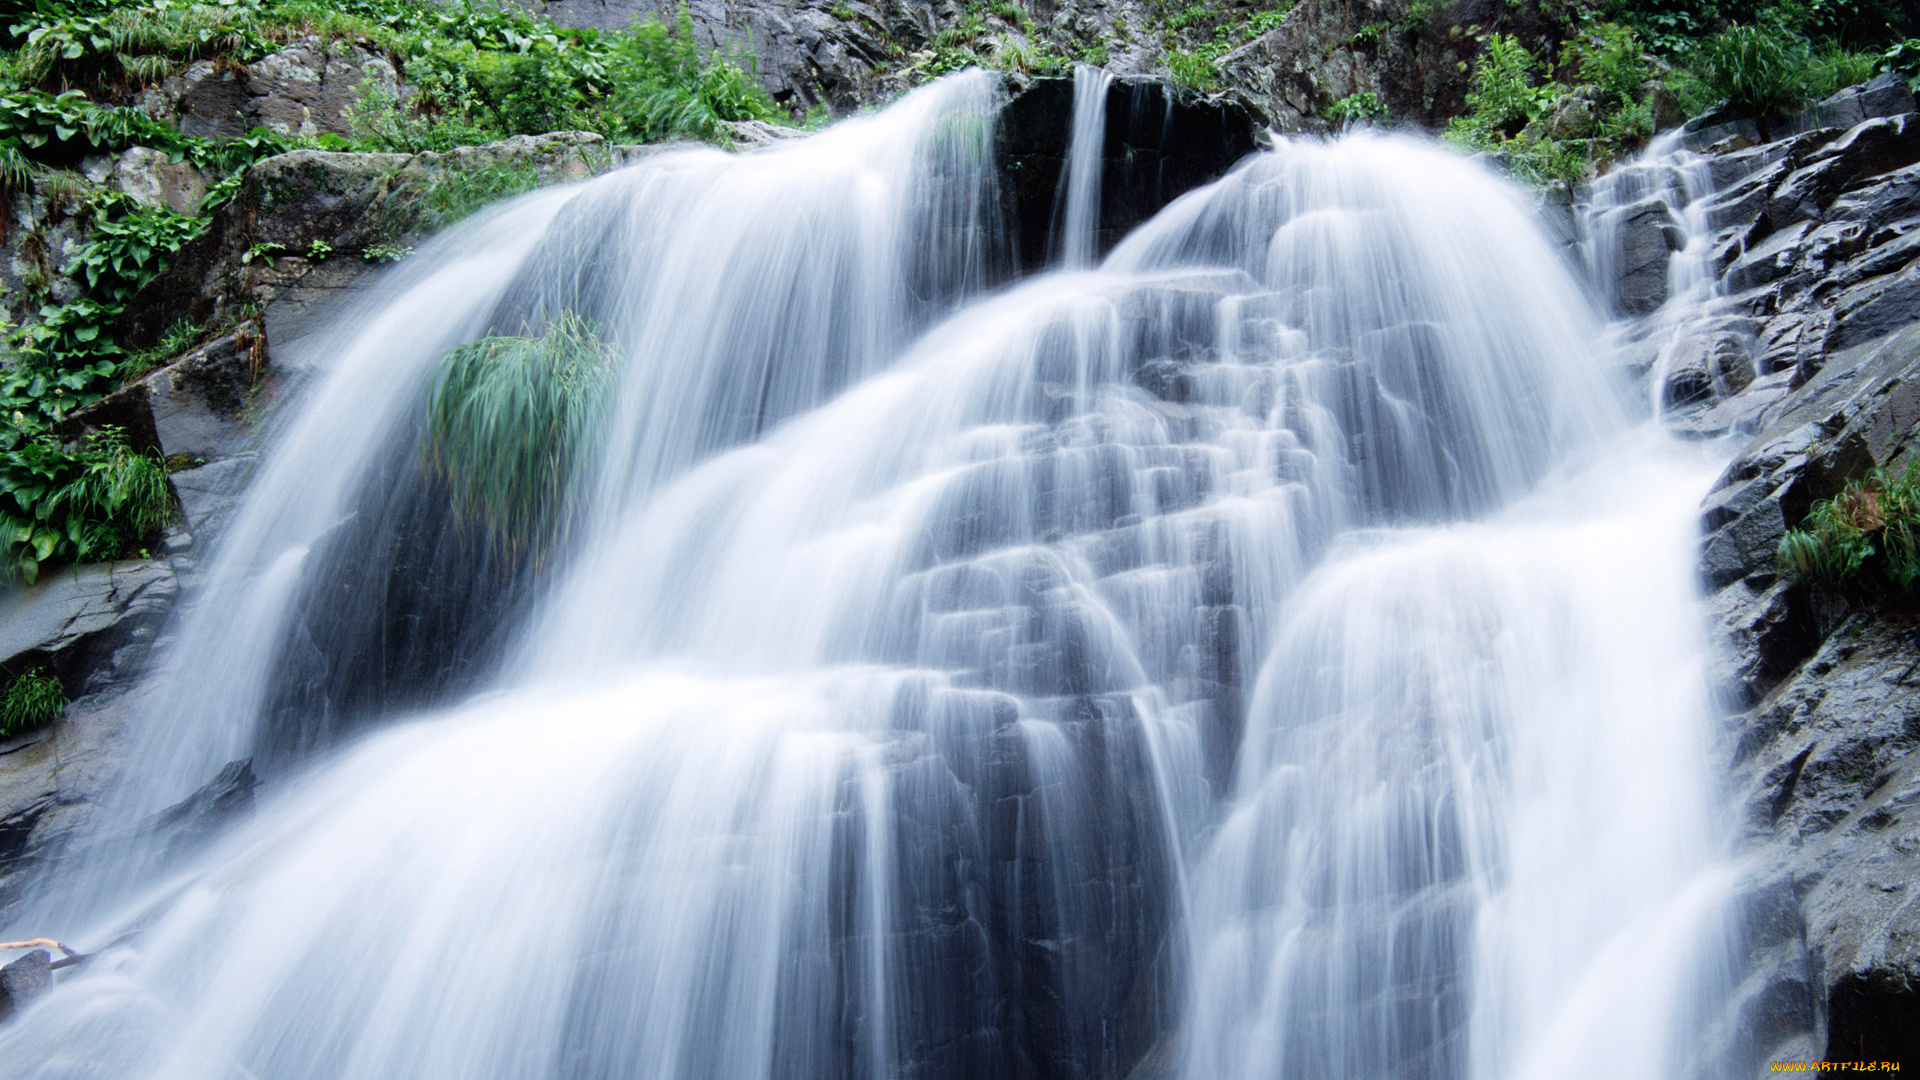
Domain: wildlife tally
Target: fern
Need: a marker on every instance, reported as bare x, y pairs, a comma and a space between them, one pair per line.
1869, 534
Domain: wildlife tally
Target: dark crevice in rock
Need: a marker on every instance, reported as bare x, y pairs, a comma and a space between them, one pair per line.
1161, 141
1874, 1017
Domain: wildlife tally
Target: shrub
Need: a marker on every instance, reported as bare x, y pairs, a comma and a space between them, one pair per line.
1903, 58
510, 420
1502, 97
127, 47
1761, 70
1612, 61
130, 244
32, 699
1503, 100
1869, 534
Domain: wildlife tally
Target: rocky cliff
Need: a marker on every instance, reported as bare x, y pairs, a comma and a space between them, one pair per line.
1808, 356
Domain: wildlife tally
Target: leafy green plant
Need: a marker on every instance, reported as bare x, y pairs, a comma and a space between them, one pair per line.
1611, 60
95, 500
1903, 58
1261, 22
1367, 36
386, 253
319, 251
1765, 68
476, 80
1868, 535
1419, 16
1503, 97
32, 699
510, 421
130, 244
263, 251
69, 339
1504, 101
125, 47
1356, 108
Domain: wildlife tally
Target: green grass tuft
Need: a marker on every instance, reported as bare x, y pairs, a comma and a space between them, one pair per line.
1866, 536
31, 700
511, 420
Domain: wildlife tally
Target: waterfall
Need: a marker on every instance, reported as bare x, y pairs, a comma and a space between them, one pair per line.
1270, 652
1077, 209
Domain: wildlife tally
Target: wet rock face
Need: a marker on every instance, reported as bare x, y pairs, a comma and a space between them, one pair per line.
90, 624
1817, 245
1647, 238
1829, 777
321, 212
1161, 141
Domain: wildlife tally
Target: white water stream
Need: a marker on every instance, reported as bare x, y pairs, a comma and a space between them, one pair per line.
1267, 654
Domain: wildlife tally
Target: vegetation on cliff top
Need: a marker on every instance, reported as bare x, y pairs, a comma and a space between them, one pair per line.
1624, 67
71, 75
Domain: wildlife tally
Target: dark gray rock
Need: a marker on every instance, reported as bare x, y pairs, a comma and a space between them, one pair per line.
1647, 236
82, 621
1707, 366
225, 799
1833, 788
1874, 308
23, 980
1890, 198
1770, 260
1162, 140
1730, 167
1767, 633
1740, 204
1882, 96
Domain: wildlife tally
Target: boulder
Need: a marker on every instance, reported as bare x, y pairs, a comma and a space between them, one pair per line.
23, 980
151, 177
227, 798
1881, 96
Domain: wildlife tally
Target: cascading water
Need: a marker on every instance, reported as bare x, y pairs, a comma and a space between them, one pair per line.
1648, 221
1078, 209
884, 704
